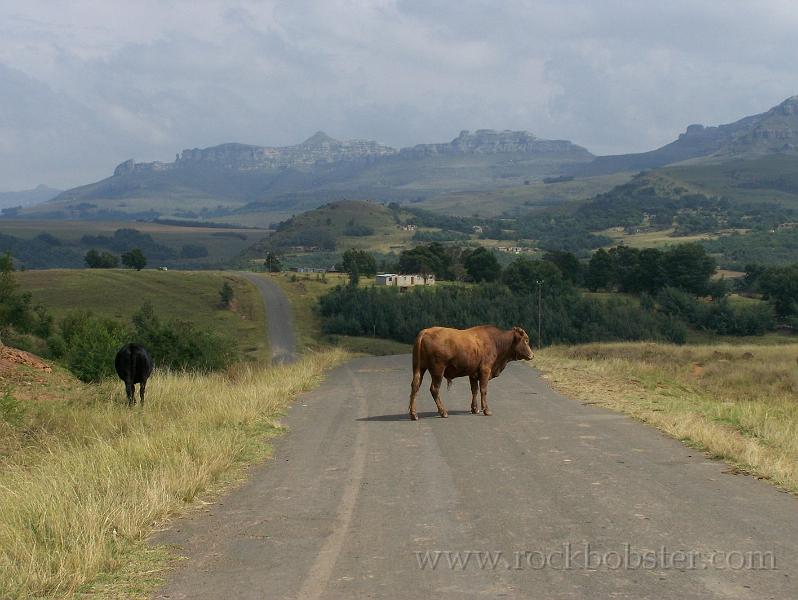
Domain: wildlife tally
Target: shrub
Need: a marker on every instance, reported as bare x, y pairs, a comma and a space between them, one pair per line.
90, 344
178, 344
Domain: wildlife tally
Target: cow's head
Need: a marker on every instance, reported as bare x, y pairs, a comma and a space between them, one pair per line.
521, 346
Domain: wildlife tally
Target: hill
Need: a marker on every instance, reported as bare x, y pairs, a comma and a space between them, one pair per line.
338, 225
238, 182
190, 296
773, 131
41, 193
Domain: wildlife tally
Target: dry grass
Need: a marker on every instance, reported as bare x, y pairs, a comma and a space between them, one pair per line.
738, 403
91, 479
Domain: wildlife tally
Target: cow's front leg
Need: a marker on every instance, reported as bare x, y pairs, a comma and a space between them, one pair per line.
474, 389
435, 390
484, 378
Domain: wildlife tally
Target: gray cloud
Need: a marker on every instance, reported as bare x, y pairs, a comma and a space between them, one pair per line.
88, 87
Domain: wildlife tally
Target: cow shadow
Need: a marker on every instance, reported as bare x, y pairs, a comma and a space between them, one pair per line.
405, 417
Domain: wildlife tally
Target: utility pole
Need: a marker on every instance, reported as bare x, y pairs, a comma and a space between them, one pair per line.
540, 312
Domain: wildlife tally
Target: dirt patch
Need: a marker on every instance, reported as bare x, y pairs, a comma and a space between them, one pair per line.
26, 373
10, 358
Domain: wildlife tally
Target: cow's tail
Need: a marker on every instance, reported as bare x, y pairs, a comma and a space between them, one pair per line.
417, 352
417, 360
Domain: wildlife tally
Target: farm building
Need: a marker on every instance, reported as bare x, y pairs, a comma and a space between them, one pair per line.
404, 281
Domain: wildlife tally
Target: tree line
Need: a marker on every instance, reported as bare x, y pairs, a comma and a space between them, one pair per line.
665, 292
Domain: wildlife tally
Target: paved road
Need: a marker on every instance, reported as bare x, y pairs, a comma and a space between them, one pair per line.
356, 490
279, 318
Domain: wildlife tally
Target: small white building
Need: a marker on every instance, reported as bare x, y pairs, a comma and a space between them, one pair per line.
404, 281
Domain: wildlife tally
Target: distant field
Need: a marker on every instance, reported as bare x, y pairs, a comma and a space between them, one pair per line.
735, 401
188, 295
222, 244
652, 239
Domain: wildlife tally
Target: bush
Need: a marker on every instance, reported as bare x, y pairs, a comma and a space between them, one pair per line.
181, 345
226, 294
101, 260
90, 344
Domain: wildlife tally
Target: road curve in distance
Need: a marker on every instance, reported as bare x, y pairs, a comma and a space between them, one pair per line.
279, 318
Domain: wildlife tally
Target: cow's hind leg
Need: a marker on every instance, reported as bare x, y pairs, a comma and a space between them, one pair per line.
474, 389
484, 378
142, 387
414, 385
130, 390
435, 390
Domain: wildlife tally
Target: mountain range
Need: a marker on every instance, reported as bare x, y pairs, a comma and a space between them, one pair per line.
247, 184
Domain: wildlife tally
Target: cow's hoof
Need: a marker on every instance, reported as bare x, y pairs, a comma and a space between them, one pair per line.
413, 417
474, 411
444, 415
487, 412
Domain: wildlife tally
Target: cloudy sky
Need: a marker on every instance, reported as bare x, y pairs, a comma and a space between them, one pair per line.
86, 87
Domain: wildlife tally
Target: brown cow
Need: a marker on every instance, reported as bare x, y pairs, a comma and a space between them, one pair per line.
481, 353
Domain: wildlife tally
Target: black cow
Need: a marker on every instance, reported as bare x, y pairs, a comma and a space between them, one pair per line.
133, 365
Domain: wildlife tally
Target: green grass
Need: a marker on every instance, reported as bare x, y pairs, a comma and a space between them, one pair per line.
188, 295
735, 401
85, 480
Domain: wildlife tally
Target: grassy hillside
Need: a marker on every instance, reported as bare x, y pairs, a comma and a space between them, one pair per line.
85, 480
735, 402
772, 179
533, 196
188, 295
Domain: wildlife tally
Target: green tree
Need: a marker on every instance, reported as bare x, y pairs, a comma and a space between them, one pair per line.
523, 274
780, 284
226, 294
101, 260
354, 275
134, 259
600, 271
688, 267
481, 265
8, 283
567, 263
426, 259
272, 263
364, 262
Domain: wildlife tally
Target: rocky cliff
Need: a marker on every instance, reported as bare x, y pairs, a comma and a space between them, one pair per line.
490, 141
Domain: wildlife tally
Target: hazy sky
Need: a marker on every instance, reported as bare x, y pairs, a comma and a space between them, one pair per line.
86, 87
